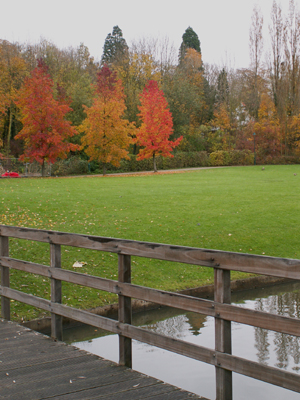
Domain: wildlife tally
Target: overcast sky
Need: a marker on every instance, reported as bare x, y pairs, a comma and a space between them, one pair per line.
221, 25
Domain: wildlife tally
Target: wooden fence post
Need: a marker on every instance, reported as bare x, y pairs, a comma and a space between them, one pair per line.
125, 313
223, 335
5, 302
56, 320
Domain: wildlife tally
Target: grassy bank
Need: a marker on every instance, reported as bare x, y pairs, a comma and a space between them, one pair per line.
241, 209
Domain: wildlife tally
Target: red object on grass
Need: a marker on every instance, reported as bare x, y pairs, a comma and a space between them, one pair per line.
11, 174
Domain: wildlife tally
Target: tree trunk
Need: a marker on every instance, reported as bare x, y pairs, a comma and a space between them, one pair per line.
154, 163
43, 168
104, 169
9, 129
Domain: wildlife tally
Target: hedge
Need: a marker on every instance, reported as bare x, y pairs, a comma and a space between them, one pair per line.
76, 166
233, 157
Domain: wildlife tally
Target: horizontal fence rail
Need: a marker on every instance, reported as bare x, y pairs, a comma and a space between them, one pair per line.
221, 309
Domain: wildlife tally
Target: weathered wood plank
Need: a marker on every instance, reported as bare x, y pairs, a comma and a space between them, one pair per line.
125, 312
56, 296
264, 265
5, 302
175, 345
223, 335
53, 369
260, 319
128, 389
132, 332
275, 376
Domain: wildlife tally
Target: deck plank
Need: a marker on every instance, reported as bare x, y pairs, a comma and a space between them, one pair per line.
34, 367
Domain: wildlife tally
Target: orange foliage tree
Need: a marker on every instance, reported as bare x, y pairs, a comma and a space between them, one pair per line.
267, 130
45, 130
157, 125
107, 135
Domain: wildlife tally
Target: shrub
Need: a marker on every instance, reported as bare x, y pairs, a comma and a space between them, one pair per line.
232, 157
180, 160
71, 166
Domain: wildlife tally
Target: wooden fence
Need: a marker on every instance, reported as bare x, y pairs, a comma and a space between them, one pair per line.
225, 363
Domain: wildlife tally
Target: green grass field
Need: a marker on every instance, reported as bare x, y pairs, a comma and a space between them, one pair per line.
240, 209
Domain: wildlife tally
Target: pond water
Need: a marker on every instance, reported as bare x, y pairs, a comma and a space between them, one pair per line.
267, 347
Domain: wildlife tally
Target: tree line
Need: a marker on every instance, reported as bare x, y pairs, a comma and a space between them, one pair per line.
198, 107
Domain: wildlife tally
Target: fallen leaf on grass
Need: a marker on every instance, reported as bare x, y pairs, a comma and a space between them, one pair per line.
78, 264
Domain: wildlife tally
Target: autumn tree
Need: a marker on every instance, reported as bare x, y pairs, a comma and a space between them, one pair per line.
72, 69
139, 68
293, 138
224, 134
267, 130
185, 94
12, 73
45, 130
157, 125
107, 135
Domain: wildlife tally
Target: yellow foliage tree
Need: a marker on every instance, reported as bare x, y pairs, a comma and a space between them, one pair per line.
107, 135
135, 73
222, 138
13, 70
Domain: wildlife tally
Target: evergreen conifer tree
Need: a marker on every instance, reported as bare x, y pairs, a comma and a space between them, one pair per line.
115, 48
190, 40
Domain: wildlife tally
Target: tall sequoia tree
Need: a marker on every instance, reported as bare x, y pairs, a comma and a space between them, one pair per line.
115, 48
190, 40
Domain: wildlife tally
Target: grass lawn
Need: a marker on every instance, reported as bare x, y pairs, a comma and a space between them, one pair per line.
240, 209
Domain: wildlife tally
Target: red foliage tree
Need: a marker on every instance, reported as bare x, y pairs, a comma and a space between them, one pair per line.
157, 125
45, 130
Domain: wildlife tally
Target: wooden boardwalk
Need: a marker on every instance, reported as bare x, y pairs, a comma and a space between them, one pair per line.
33, 366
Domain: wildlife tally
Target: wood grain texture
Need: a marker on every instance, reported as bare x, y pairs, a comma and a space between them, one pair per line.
35, 367
264, 265
222, 335
125, 311
5, 302
56, 295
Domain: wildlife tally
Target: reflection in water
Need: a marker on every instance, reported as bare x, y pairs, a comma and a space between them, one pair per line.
286, 347
262, 345
196, 322
266, 347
